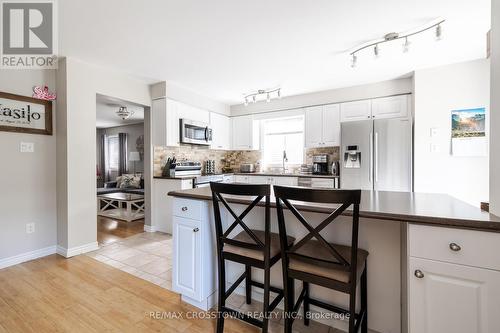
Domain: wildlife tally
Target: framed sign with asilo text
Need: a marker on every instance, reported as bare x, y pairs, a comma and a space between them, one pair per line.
24, 114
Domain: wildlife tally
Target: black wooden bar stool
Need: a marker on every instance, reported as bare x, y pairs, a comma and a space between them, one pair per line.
321, 263
252, 248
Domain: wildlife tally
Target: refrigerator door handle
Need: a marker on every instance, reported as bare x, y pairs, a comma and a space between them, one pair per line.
376, 157
370, 175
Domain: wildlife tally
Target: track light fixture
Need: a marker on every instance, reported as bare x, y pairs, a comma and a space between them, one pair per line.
395, 36
267, 93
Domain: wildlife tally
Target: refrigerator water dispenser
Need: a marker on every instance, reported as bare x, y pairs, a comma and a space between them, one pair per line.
352, 157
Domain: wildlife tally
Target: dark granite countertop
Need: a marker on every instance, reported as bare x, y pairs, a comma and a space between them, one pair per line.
270, 174
431, 209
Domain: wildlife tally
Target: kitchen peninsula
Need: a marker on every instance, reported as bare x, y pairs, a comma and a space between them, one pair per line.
432, 256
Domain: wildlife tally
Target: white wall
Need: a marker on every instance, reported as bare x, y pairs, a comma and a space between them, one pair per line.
184, 95
495, 107
78, 83
437, 92
380, 89
28, 180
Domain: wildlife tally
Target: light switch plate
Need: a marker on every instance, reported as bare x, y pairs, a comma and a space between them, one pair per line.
27, 147
434, 132
435, 148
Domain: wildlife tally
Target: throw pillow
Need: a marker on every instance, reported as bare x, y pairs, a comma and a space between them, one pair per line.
130, 181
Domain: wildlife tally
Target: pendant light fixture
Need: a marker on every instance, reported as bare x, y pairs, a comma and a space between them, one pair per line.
124, 113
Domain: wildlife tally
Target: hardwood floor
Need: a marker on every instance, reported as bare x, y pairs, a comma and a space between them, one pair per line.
111, 230
54, 294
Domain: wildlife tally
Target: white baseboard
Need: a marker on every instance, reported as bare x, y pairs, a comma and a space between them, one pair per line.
149, 228
74, 251
27, 256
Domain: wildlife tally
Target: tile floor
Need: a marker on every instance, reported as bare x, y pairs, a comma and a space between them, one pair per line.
149, 257
145, 255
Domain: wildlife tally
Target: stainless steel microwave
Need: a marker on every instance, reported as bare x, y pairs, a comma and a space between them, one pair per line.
195, 132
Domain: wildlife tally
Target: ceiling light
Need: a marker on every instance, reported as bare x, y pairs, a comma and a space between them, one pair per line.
124, 113
406, 45
439, 32
268, 93
392, 37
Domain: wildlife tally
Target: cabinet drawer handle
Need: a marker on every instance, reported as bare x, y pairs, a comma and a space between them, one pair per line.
196, 230
184, 208
455, 247
419, 274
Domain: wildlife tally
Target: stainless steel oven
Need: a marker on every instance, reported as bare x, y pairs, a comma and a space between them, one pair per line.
195, 132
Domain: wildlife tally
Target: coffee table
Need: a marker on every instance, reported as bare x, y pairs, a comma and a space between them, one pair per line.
111, 205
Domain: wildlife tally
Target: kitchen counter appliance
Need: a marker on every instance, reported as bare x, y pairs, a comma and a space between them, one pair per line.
377, 155
195, 132
247, 168
320, 164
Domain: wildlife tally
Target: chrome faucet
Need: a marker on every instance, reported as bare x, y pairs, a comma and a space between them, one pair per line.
285, 159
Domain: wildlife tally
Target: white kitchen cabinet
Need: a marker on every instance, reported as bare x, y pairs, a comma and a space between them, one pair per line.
187, 246
323, 183
331, 125
221, 126
391, 107
322, 126
284, 181
453, 298
245, 132
354, 111
313, 126
259, 180
453, 280
242, 179
194, 264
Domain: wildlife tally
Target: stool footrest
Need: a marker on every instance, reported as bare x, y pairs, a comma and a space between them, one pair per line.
241, 316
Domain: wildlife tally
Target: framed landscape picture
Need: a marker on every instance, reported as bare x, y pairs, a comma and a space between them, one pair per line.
468, 132
24, 114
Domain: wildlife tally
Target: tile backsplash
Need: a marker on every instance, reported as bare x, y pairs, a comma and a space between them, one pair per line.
229, 158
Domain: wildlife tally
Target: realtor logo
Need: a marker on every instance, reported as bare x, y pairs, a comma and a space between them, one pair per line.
28, 34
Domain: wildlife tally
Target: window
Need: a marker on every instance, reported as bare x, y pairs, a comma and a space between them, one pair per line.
113, 153
283, 134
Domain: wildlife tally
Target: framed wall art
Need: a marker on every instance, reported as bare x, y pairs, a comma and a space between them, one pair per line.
24, 114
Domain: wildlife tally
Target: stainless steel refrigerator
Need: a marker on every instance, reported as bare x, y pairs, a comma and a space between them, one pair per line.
377, 155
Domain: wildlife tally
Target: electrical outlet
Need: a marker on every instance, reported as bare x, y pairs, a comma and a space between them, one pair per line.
27, 147
435, 148
30, 228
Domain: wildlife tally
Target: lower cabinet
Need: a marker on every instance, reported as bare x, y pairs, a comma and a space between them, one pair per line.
452, 296
186, 272
194, 256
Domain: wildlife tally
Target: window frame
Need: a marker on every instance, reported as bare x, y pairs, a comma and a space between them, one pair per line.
263, 136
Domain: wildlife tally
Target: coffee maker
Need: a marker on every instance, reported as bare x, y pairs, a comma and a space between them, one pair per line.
320, 164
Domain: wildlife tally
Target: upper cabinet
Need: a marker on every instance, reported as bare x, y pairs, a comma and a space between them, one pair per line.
221, 126
322, 126
390, 107
165, 120
379, 108
245, 133
354, 111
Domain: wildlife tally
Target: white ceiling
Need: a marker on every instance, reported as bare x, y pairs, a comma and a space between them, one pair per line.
106, 108
225, 48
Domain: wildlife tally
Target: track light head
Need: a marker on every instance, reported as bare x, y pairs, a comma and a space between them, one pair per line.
376, 51
354, 60
406, 45
439, 32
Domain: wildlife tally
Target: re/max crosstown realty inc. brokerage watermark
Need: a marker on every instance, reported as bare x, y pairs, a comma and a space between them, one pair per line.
29, 34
